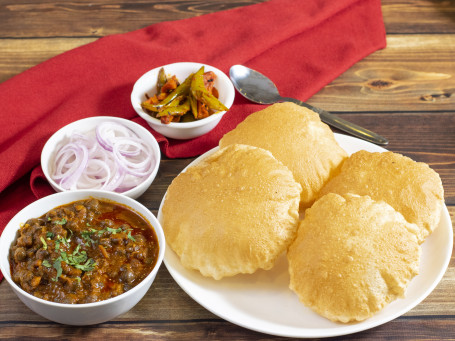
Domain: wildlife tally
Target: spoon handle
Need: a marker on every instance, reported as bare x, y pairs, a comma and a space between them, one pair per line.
341, 124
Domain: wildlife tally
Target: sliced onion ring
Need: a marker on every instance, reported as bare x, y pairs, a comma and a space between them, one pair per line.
108, 132
135, 166
110, 157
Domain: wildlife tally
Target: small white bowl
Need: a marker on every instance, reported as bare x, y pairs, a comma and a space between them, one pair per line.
181, 130
88, 313
89, 124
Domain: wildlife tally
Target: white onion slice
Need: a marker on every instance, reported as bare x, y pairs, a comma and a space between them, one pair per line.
111, 157
96, 175
79, 154
137, 166
108, 132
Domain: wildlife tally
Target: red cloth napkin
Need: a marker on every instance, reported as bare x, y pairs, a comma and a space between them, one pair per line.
300, 45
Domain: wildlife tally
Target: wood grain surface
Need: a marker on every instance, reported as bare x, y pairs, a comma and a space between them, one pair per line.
405, 92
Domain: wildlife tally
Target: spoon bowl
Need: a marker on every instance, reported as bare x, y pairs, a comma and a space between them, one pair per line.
253, 85
258, 88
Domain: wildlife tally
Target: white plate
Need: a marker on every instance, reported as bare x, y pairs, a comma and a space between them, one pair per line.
264, 303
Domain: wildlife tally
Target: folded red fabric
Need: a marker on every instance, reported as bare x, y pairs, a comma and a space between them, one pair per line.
300, 45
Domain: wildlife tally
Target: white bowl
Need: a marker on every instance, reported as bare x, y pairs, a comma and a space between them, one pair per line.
89, 124
181, 130
88, 313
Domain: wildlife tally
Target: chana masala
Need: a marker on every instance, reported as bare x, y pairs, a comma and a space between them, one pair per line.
83, 252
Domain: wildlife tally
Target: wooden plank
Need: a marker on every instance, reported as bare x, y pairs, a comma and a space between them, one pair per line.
97, 18
437, 328
19, 55
402, 77
48, 19
418, 16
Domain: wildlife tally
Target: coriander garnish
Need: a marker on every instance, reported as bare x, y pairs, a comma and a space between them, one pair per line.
87, 236
77, 259
44, 243
130, 236
111, 230
57, 266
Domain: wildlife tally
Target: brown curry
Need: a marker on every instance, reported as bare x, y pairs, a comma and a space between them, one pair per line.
83, 252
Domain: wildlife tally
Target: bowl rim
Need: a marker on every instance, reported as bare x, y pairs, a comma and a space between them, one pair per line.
50, 148
81, 194
183, 125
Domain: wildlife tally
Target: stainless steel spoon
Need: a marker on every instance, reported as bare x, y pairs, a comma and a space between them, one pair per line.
259, 89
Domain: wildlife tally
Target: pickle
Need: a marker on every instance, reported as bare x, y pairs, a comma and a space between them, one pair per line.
162, 79
191, 98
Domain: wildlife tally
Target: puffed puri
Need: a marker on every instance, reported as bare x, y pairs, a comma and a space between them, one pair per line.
352, 256
412, 188
233, 213
298, 138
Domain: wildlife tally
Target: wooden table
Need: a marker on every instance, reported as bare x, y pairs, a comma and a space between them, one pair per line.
405, 92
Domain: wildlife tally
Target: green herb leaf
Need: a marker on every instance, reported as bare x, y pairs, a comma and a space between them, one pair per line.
78, 259
64, 256
61, 222
131, 237
100, 232
87, 236
44, 243
61, 240
49, 235
46, 263
111, 230
57, 266
88, 266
